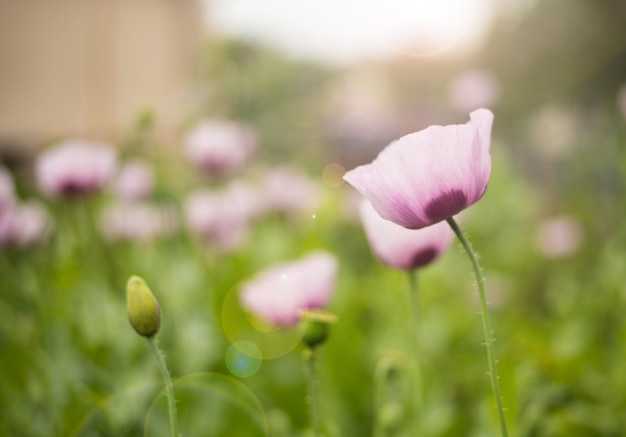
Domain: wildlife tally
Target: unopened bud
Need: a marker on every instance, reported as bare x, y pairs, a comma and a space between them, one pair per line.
144, 312
316, 326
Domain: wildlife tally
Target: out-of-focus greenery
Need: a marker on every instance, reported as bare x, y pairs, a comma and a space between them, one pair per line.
71, 364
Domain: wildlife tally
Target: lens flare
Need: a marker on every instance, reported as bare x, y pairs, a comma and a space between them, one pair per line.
273, 341
243, 359
332, 175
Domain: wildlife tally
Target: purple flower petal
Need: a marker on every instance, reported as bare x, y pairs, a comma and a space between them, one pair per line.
403, 248
430, 175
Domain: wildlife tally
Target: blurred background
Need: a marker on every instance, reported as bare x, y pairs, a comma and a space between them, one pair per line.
324, 86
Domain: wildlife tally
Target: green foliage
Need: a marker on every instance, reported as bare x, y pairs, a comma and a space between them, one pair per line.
72, 365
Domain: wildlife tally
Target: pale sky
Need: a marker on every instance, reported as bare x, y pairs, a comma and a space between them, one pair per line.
342, 31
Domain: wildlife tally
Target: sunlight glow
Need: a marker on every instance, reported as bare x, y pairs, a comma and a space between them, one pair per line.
349, 30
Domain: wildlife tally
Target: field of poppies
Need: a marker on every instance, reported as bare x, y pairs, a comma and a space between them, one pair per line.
298, 261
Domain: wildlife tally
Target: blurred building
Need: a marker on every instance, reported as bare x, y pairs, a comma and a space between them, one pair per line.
88, 67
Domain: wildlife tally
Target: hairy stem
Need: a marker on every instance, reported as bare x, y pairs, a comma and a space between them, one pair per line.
169, 387
489, 340
313, 400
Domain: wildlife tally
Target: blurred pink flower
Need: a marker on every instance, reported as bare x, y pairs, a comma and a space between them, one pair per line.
403, 248
288, 191
75, 167
24, 224
134, 181
558, 237
360, 117
278, 294
428, 176
216, 217
7, 190
472, 90
246, 199
133, 221
219, 146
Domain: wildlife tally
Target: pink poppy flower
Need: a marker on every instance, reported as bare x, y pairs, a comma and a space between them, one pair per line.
134, 181
403, 248
25, 224
75, 167
246, 199
428, 176
278, 294
219, 146
558, 237
288, 191
215, 216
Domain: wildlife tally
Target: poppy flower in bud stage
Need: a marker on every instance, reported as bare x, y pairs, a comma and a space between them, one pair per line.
428, 176
403, 248
144, 312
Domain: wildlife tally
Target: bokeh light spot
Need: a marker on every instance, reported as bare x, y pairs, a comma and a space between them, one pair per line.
260, 324
239, 325
243, 359
332, 175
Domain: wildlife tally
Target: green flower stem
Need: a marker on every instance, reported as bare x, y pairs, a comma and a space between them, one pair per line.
313, 400
489, 340
417, 370
169, 387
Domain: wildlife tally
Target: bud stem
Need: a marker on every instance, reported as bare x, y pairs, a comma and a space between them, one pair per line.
309, 357
491, 358
169, 387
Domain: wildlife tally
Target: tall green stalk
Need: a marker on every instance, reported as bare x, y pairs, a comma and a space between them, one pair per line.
489, 340
309, 357
415, 345
169, 387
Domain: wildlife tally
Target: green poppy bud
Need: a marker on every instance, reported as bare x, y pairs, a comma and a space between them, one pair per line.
315, 326
144, 312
